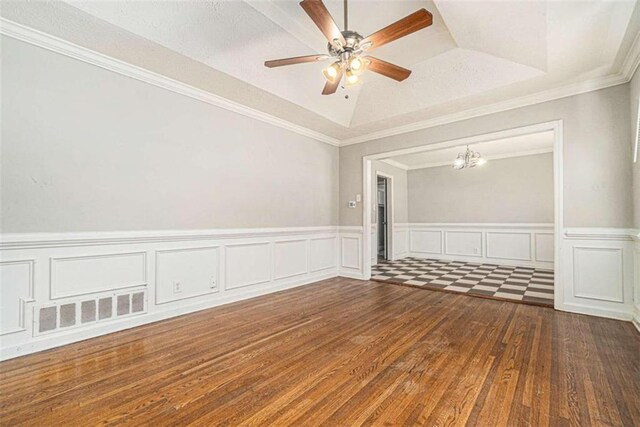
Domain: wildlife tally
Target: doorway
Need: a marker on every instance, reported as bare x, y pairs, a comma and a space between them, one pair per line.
383, 217
446, 245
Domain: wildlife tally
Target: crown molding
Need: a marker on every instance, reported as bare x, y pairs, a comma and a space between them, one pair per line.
55, 44
511, 104
632, 60
628, 69
58, 45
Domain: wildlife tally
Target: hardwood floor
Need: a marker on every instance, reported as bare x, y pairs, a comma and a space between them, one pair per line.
340, 353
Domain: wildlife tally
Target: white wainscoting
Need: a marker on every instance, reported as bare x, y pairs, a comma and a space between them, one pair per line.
351, 257
16, 290
636, 279
89, 274
186, 273
598, 272
528, 245
248, 264
142, 277
400, 241
635, 315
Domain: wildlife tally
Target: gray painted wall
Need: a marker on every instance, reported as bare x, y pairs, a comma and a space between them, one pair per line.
633, 99
518, 189
597, 170
85, 149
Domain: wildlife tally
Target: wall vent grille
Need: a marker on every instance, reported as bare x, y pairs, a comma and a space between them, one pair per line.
87, 311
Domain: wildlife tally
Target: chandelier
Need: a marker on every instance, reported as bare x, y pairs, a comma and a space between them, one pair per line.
468, 159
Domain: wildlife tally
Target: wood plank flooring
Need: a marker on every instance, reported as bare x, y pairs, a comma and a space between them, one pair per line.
340, 353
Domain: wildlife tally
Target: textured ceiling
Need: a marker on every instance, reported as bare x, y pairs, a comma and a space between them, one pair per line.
518, 146
476, 52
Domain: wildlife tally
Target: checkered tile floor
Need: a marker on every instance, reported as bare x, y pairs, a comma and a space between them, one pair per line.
524, 284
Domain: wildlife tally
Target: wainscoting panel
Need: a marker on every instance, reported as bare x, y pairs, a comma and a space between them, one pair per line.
186, 273
526, 245
508, 245
81, 275
248, 264
543, 247
56, 289
351, 263
598, 273
16, 291
291, 258
463, 243
323, 253
425, 242
636, 278
350, 252
400, 241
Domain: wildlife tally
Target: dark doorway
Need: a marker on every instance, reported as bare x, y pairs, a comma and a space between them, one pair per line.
383, 214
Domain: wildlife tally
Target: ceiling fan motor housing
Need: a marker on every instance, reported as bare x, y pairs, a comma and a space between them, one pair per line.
352, 39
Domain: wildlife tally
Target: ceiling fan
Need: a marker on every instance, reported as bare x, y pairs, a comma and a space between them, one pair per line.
350, 50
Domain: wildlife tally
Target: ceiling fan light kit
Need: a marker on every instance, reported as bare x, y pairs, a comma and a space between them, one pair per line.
350, 50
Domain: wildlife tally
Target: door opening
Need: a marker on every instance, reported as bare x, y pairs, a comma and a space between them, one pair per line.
383, 215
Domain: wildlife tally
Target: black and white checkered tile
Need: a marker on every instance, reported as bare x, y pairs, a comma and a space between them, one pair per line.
523, 284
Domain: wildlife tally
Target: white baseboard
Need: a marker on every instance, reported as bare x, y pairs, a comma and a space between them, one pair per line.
621, 314
351, 274
478, 260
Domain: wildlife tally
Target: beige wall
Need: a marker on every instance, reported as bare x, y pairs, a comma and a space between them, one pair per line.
597, 171
85, 149
514, 190
633, 99
400, 212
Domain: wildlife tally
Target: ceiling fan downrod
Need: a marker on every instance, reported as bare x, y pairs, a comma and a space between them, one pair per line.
346, 15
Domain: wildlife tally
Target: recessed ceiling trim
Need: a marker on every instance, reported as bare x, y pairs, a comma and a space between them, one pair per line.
511, 104
632, 60
55, 44
61, 46
494, 157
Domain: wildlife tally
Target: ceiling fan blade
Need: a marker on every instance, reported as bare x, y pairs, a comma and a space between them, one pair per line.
319, 14
387, 69
407, 25
331, 87
294, 60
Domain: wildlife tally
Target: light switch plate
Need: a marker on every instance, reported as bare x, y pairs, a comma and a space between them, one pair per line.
352, 205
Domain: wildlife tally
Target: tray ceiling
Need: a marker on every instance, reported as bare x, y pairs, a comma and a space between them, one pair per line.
476, 52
